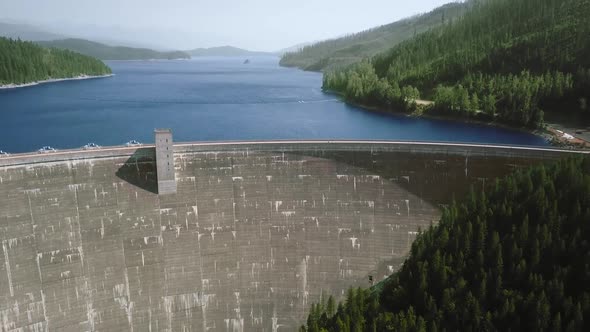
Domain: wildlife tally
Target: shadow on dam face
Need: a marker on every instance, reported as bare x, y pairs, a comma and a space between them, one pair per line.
435, 178
140, 170
248, 242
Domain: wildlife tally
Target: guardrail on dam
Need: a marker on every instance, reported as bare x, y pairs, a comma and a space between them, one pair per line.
254, 233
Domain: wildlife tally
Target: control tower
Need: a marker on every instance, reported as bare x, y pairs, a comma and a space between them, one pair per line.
165, 162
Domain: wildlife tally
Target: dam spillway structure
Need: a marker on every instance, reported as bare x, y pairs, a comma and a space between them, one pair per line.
254, 233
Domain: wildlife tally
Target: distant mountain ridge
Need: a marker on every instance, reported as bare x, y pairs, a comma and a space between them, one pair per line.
225, 51
26, 32
340, 52
106, 52
111, 47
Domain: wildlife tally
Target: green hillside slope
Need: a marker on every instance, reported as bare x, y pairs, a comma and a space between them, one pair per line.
347, 50
25, 62
508, 60
513, 259
106, 52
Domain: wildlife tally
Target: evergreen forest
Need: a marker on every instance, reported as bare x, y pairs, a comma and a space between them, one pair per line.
26, 62
504, 60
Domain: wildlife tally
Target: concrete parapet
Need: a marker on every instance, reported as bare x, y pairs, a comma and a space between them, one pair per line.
382, 146
317, 145
69, 155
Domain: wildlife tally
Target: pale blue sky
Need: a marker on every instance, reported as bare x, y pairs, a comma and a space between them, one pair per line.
254, 24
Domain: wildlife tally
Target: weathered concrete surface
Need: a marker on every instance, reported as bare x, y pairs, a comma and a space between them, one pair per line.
253, 235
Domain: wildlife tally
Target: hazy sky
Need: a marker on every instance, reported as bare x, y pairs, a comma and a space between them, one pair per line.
266, 25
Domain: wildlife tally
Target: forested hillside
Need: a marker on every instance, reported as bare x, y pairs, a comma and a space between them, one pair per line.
516, 258
350, 49
106, 52
508, 60
25, 62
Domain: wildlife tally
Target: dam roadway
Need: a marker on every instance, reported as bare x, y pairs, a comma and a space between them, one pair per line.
254, 234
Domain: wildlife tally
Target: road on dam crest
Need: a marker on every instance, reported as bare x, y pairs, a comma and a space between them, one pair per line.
254, 234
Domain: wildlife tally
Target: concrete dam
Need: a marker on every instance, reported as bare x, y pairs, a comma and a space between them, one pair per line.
252, 235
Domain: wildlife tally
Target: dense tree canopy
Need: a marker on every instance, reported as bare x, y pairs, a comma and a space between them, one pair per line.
504, 59
24, 62
515, 258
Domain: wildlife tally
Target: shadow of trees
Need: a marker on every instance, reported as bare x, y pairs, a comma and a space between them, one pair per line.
435, 178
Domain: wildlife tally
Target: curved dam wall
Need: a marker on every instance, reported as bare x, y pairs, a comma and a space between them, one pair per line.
255, 233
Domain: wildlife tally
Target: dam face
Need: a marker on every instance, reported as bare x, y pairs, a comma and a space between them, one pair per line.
253, 235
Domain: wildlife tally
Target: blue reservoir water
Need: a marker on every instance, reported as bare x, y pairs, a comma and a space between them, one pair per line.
209, 99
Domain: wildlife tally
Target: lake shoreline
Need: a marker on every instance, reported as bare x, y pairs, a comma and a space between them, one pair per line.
551, 135
53, 80
434, 116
